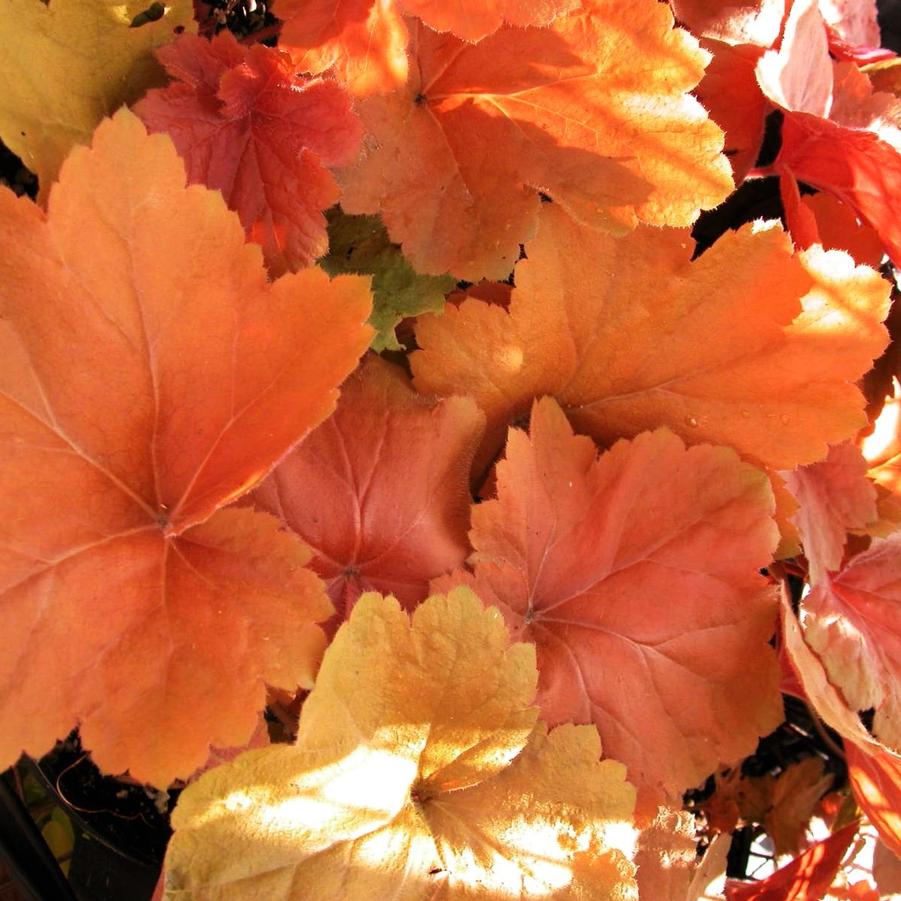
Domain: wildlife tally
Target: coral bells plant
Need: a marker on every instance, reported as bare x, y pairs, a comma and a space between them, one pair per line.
420, 377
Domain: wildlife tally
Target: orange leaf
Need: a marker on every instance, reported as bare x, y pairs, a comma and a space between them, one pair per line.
246, 125
641, 594
473, 20
363, 42
838, 228
149, 375
380, 490
630, 334
755, 22
604, 125
876, 780
730, 93
806, 878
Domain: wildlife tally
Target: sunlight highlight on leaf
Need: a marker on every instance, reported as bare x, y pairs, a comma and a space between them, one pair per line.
418, 766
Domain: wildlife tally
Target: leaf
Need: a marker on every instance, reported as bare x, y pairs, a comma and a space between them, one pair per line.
361, 244
641, 594
246, 125
839, 229
416, 774
835, 497
66, 64
755, 22
149, 374
806, 878
827, 700
459, 156
798, 76
795, 795
380, 490
854, 21
853, 621
473, 20
854, 154
876, 781
667, 856
363, 42
745, 346
730, 93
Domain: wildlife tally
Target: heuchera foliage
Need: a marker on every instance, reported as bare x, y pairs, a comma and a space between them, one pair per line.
378, 374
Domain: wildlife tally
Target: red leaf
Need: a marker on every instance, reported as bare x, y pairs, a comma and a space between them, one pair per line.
380, 490
855, 165
246, 125
807, 878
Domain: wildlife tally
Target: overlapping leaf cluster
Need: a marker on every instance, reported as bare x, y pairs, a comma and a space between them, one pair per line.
536, 560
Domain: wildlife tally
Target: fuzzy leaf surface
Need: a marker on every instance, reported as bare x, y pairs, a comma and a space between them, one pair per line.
138, 395
610, 571
417, 774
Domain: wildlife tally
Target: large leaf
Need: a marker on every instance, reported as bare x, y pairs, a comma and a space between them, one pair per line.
876, 781
246, 125
636, 576
746, 346
149, 375
416, 775
66, 64
592, 110
380, 490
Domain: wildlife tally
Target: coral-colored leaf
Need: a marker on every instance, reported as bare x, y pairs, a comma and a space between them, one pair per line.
806, 878
798, 76
363, 42
66, 64
473, 20
629, 335
416, 775
853, 21
360, 244
835, 497
246, 125
641, 593
149, 375
745, 22
853, 621
876, 780
380, 490
602, 123
815, 685
730, 93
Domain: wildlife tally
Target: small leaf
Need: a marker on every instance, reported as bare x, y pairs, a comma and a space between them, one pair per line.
360, 244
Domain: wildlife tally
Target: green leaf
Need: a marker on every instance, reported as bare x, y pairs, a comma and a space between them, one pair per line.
360, 244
